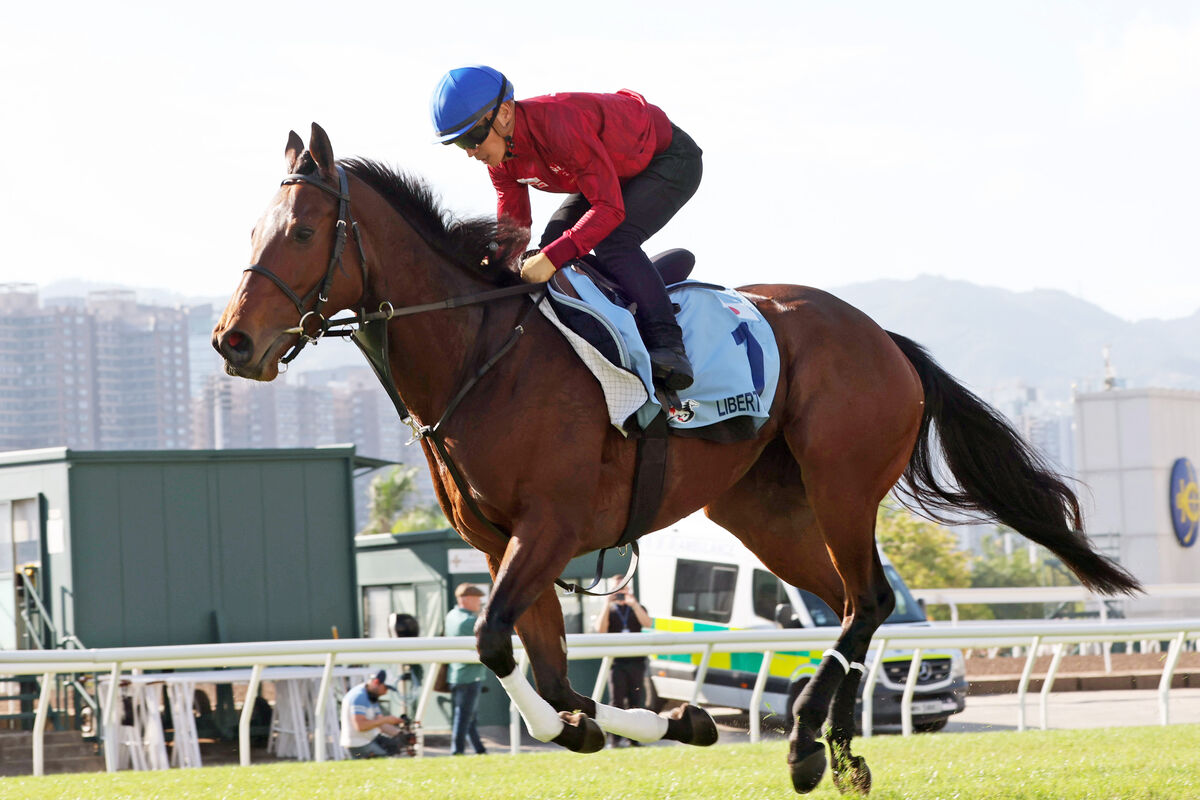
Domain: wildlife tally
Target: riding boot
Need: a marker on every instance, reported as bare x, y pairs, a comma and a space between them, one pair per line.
668, 358
623, 261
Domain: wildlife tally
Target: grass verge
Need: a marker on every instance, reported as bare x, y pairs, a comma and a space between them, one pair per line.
1158, 763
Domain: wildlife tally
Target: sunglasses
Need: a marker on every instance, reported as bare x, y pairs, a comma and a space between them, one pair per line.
478, 134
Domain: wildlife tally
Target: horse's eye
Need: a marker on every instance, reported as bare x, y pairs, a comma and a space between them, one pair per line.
302, 233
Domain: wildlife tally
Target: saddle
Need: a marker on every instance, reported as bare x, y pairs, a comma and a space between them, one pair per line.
673, 266
727, 339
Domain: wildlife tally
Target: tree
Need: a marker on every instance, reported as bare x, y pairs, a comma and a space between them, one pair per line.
996, 567
928, 556
389, 510
925, 553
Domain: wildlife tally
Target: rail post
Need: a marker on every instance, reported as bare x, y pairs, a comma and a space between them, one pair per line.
322, 704
760, 686
1048, 683
39, 724
910, 686
1023, 686
1164, 683
868, 712
247, 712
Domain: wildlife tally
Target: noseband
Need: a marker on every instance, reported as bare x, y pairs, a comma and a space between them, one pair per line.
345, 223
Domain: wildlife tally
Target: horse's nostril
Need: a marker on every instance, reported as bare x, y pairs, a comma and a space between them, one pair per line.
236, 346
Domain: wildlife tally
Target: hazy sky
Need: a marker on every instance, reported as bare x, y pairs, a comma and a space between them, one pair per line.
1017, 144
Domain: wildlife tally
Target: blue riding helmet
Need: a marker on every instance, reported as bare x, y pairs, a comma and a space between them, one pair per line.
462, 97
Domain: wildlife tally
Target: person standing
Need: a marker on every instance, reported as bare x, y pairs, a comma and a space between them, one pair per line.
627, 680
366, 731
465, 680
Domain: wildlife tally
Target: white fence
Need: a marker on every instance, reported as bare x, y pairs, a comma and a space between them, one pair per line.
433, 651
1047, 594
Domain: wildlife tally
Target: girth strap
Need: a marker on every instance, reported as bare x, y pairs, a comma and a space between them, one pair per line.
649, 477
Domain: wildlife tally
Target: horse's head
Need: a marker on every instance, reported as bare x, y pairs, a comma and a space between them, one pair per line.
296, 280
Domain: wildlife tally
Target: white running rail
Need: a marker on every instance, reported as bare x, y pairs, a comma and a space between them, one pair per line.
433, 651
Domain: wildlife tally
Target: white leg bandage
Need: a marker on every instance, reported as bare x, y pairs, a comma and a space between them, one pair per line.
846, 665
639, 724
540, 717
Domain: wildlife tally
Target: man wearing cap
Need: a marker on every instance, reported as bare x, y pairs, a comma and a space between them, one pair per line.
366, 731
466, 680
625, 168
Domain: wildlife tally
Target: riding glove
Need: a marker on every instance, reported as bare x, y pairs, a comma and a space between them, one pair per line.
537, 269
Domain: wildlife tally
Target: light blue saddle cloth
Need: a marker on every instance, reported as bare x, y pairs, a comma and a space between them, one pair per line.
732, 349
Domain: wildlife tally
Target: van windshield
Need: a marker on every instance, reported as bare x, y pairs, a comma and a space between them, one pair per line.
906, 609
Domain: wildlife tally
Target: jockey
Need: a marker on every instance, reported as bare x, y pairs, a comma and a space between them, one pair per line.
625, 168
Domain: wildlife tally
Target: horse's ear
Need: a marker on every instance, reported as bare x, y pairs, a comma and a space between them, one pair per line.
321, 149
295, 147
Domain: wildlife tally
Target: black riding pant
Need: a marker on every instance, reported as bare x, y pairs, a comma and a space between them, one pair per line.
651, 198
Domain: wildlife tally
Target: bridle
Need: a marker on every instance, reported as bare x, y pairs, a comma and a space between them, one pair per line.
369, 332
343, 326
345, 223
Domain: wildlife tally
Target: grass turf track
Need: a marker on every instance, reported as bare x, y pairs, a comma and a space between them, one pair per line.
1152, 763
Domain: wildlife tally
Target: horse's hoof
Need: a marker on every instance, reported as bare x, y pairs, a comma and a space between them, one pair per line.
580, 734
691, 725
853, 776
807, 767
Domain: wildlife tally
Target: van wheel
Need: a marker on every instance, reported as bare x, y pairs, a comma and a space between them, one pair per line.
794, 690
930, 727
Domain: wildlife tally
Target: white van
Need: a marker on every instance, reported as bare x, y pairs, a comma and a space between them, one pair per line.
696, 576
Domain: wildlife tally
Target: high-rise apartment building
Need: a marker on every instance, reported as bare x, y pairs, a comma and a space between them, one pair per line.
105, 373
141, 360
47, 375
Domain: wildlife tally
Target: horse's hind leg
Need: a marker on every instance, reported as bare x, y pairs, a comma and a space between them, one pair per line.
814, 533
769, 511
850, 772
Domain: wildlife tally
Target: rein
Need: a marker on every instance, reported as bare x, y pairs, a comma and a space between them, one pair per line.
375, 347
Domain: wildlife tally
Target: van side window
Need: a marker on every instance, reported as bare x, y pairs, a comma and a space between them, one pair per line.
704, 590
821, 613
768, 592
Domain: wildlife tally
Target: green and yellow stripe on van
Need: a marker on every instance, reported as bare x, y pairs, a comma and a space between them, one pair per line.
791, 665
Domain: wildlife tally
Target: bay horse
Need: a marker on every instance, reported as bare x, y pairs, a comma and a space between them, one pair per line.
514, 430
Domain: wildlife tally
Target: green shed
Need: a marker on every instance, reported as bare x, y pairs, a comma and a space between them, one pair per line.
129, 548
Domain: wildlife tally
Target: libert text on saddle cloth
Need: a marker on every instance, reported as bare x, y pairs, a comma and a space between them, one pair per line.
731, 347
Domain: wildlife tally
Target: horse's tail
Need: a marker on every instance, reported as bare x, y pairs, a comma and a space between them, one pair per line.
998, 475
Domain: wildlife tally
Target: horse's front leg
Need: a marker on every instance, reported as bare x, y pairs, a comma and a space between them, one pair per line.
541, 630
524, 590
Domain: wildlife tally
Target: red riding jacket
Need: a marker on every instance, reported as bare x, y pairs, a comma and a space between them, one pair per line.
578, 142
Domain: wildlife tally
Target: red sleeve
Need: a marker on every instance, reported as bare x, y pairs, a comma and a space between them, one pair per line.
512, 198
582, 152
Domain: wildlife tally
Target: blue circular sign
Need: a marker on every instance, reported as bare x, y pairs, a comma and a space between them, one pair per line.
1185, 501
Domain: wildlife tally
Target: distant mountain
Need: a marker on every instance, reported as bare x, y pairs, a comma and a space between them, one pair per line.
984, 336
78, 287
991, 337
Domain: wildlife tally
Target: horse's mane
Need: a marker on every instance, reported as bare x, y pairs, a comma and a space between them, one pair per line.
465, 242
